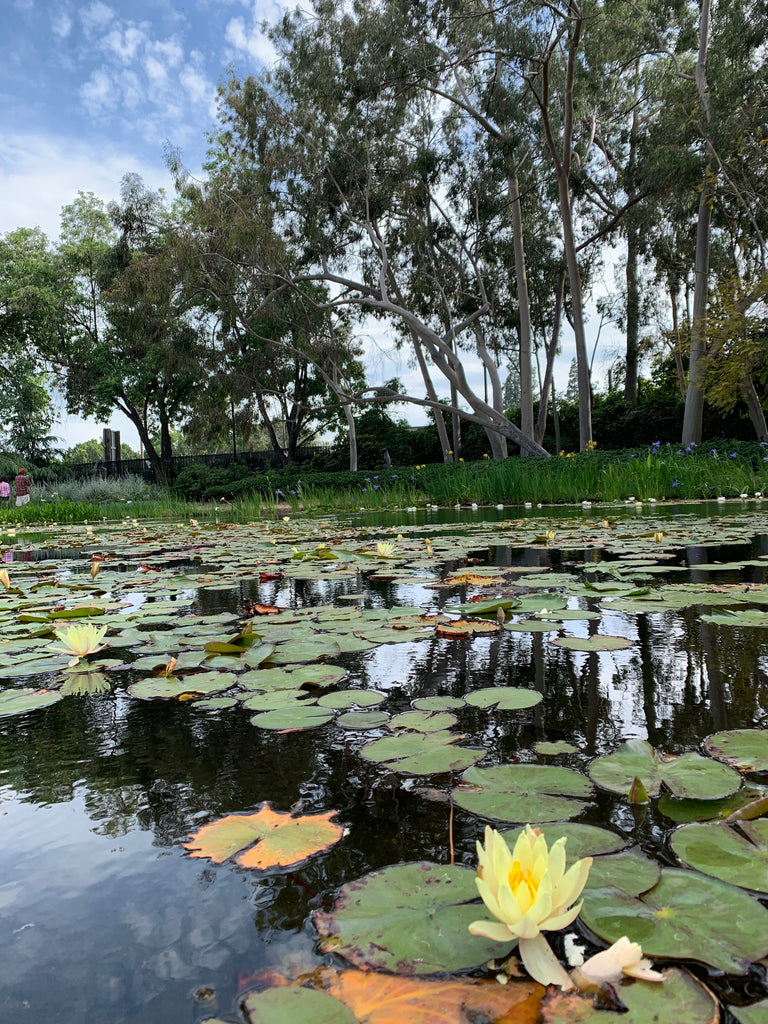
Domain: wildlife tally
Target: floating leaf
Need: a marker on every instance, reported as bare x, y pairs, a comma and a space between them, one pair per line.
526, 792
685, 916
599, 642
735, 855
550, 748
409, 919
416, 753
506, 698
423, 721
757, 1013
298, 716
680, 999
288, 1005
685, 811
745, 749
483, 607
362, 719
170, 688
631, 871
438, 703
18, 702
460, 628
581, 840
533, 626
305, 650
266, 839
689, 776
342, 699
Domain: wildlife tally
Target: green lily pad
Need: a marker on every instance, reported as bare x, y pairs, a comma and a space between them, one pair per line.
363, 719
736, 855
423, 721
685, 916
680, 999
171, 688
685, 811
217, 703
295, 653
437, 703
552, 747
749, 617
297, 717
417, 753
409, 919
757, 1013
342, 699
538, 604
745, 749
267, 679
276, 700
524, 792
534, 626
287, 1005
18, 702
489, 607
631, 871
601, 642
503, 698
689, 776
581, 840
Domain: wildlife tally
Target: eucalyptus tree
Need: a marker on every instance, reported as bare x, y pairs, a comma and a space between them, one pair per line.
29, 326
347, 179
132, 335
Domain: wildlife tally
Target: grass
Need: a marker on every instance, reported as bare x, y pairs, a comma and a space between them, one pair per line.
661, 472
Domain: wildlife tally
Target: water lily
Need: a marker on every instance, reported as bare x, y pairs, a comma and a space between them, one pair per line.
622, 959
80, 641
528, 891
5, 579
385, 548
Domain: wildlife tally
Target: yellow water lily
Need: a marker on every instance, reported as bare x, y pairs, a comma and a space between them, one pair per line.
385, 548
528, 891
622, 959
80, 640
5, 579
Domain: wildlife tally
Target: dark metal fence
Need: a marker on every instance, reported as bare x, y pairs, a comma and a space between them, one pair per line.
258, 460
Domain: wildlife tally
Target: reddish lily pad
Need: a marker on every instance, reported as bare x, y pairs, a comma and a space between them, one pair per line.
266, 839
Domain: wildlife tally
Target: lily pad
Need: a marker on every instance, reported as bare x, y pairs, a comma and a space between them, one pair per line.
409, 919
305, 650
171, 688
600, 642
534, 626
525, 792
737, 855
686, 811
688, 776
630, 870
286, 1005
18, 702
685, 916
680, 999
745, 749
757, 1013
363, 719
342, 699
503, 698
299, 716
438, 703
581, 840
416, 753
550, 748
423, 721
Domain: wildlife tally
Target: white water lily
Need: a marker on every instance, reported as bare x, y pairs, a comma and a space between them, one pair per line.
80, 641
385, 548
622, 959
528, 891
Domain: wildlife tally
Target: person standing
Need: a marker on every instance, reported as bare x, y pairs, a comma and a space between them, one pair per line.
21, 484
5, 493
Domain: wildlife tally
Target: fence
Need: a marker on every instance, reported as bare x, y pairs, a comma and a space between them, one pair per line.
258, 460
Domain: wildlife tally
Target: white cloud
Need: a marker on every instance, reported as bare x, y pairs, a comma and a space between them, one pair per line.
96, 17
98, 93
61, 23
124, 42
251, 41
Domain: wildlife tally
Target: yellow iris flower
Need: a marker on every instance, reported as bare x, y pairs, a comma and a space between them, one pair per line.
528, 891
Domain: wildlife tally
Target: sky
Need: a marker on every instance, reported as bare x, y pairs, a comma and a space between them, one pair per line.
90, 91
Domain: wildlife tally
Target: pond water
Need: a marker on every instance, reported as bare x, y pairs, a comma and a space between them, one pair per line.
104, 915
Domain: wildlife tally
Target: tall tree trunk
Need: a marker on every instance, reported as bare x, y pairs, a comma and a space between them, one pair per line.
442, 433
497, 442
694, 398
678, 356
755, 407
547, 384
633, 315
523, 306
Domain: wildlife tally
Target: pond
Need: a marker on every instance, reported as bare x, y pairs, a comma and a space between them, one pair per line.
385, 688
